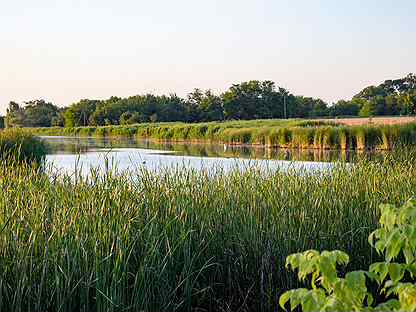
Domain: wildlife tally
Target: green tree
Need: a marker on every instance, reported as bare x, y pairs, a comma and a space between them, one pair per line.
211, 107
40, 113
375, 106
368, 109
59, 120
69, 120
392, 97
125, 118
193, 105
206, 105
173, 108
78, 114
15, 115
253, 100
129, 118
309, 107
345, 108
247, 100
407, 103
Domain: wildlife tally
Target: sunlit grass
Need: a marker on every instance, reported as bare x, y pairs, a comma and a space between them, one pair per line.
181, 239
21, 146
293, 133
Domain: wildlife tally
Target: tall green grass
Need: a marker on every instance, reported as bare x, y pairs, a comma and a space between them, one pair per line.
181, 240
275, 133
21, 146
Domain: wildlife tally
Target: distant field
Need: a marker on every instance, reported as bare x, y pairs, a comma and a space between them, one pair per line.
374, 120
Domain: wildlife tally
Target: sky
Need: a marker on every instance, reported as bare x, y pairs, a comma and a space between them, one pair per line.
63, 51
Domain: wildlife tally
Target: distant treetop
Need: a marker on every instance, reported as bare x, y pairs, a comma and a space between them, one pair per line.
247, 100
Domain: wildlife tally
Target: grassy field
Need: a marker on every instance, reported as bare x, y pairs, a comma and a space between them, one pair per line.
389, 120
301, 134
181, 240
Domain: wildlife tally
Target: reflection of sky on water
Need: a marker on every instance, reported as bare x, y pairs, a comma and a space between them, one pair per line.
135, 158
69, 154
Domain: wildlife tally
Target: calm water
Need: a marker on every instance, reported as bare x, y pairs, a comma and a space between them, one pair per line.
69, 153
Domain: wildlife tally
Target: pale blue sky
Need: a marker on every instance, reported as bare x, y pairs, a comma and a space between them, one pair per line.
65, 50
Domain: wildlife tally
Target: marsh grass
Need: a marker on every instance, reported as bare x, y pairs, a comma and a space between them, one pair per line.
20, 146
179, 239
305, 134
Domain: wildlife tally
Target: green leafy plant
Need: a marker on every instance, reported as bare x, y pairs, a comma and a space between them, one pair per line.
395, 239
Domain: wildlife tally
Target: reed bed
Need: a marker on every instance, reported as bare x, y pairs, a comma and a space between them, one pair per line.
300, 134
178, 239
21, 146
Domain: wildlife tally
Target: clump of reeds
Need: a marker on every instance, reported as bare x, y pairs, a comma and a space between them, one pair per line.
277, 133
20, 146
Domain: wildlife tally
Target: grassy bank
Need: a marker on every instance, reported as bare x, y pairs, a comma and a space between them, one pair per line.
181, 240
21, 146
273, 133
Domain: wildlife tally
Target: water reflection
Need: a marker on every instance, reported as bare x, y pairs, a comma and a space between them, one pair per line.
72, 154
77, 145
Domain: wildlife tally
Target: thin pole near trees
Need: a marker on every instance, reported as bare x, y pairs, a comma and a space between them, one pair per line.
284, 105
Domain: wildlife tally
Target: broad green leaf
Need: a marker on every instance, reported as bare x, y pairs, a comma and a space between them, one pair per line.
388, 216
342, 257
394, 244
328, 270
408, 254
356, 280
388, 306
370, 299
411, 268
293, 261
297, 297
284, 298
309, 305
380, 269
396, 272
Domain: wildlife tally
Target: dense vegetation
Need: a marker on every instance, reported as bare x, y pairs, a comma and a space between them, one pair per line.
273, 133
395, 239
19, 146
179, 240
247, 100
36, 113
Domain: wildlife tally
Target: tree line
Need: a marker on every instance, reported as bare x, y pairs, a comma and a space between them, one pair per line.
244, 101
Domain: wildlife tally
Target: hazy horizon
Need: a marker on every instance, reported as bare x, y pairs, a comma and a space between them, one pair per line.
63, 52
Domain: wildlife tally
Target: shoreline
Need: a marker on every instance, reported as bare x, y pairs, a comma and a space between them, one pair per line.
305, 134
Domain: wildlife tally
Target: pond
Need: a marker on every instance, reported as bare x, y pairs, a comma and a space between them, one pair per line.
82, 153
